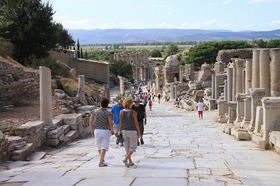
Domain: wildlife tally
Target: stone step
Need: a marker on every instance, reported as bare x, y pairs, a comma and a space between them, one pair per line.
70, 136
21, 154
66, 128
14, 139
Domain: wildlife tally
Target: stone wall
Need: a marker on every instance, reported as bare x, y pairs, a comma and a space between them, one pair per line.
15, 81
96, 70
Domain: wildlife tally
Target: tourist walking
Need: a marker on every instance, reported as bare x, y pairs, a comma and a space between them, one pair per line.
129, 128
116, 121
159, 96
141, 116
150, 103
101, 127
200, 106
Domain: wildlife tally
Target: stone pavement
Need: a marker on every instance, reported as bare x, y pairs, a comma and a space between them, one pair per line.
179, 149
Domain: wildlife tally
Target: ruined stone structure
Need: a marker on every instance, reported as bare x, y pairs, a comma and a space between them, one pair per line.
142, 69
226, 55
16, 81
252, 95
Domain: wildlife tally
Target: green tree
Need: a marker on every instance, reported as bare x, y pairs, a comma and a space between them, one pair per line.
274, 43
172, 49
207, 52
29, 26
121, 68
78, 49
156, 53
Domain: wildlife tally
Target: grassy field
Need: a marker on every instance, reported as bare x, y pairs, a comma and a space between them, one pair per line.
135, 47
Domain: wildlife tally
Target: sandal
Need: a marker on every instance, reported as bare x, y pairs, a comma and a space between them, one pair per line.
131, 164
103, 164
125, 163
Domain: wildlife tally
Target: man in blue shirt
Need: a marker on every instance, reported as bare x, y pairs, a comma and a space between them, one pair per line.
116, 121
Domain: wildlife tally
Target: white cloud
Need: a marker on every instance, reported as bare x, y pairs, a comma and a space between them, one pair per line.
275, 22
226, 2
199, 25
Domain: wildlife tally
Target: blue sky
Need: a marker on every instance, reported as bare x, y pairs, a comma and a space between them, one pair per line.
235, 15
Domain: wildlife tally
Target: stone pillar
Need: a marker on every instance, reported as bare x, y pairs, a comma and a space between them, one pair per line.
172, 91
239, 107
157, 74
229, 83
217, 89
222, 107
248, 75
275, 72
265, 71
212, 104
121, 85
271, 115
219, 67
256, 95
213, 85
81, 92
231, 111
181, 74
259, 120
256, 69
247, 112
46, 109
239, 64
175, 90
225, 91
234, 82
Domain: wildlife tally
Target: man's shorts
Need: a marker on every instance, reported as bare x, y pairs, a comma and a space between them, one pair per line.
200, 112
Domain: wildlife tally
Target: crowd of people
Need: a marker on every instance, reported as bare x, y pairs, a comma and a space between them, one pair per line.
126, 121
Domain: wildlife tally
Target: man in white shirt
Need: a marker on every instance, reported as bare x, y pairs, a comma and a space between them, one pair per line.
200, 106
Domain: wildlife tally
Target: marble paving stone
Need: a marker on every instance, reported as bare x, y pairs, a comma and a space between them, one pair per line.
104, 181
160, 181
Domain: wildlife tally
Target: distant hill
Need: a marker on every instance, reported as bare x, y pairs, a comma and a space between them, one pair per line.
107, 36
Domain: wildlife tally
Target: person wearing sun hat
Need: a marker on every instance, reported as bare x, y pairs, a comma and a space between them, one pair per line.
141, 115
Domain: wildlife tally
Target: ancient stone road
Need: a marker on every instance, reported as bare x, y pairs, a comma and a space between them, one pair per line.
179, 149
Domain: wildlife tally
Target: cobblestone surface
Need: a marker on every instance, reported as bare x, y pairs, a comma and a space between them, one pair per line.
179, 149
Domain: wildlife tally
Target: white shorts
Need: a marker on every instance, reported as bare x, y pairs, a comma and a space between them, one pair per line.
102, 139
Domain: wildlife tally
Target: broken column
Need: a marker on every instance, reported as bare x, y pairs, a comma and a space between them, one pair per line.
181, 73
121, 85
275, 72
265, 71
213, 85
256, 95
231, 111
239, 107
46, 114
81, 92
247, 112
271, 115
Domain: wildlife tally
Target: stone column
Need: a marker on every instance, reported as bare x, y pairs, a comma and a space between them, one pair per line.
213, 85
240, 107
172, 91
229, 83
239, 64
180, 73
225, 91
259, 120
265, 71
222, 107
231, 111
175, 90
234, 82
81, 92
271, 115
275, 72
218, 78
248, 75
121, 85
46, 109
157, 74
256, 95
256, 69
247, 112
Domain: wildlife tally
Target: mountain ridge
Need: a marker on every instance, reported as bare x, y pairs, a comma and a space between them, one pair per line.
110, 36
